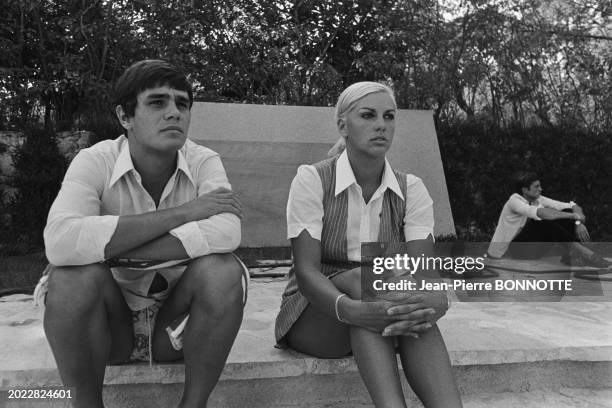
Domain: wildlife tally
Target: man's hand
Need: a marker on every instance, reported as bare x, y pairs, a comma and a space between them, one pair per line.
220, 200
582, 233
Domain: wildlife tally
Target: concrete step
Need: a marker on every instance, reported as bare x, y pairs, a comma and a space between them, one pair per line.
517, 354
479, 384
166, 396
559, 398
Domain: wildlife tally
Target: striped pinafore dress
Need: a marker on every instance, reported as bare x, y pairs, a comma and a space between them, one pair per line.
334, 259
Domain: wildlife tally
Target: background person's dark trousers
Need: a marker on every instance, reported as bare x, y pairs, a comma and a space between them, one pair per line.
537, 238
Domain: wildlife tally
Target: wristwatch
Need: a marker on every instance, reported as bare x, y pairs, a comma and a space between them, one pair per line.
572, 204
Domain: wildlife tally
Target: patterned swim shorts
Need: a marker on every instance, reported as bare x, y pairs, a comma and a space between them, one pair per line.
144, 322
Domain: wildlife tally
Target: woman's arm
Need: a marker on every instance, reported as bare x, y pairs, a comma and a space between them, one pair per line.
304, 226
319, 290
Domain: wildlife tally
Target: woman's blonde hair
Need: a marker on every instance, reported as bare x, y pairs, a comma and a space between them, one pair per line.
347, 100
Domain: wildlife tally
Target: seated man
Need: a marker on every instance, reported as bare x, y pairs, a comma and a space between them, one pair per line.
529, 222
140, 234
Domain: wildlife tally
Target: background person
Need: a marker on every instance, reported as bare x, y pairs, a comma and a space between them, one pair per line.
333, 207
529, 222
141, 233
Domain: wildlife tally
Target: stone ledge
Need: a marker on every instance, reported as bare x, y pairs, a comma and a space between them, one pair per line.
477, 335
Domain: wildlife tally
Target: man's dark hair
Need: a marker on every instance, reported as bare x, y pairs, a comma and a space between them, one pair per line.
524, 179
147, 74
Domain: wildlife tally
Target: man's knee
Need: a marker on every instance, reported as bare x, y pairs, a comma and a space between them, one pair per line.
216, 281
222, 269
78, 284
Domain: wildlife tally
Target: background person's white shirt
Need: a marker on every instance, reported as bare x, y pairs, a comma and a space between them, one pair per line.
514, 216
305, 206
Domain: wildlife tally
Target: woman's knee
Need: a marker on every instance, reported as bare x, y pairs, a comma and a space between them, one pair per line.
349, 282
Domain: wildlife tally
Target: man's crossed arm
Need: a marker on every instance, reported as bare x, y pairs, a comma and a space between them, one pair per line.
76, 233
146, 236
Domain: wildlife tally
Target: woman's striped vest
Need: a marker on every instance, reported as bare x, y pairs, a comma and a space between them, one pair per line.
334, 257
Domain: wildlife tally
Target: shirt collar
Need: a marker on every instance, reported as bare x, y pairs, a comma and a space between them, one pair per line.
390, 181
183, 166
124, 164
345, 177
344, 174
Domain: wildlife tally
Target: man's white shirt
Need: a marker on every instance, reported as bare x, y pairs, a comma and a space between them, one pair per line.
514, 216
102, 184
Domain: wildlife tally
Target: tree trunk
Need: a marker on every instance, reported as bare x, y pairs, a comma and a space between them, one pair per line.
469, 111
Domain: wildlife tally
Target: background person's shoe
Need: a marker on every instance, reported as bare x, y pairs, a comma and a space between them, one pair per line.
601, 275
597, 261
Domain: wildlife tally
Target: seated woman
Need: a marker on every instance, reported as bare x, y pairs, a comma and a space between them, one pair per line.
333, 207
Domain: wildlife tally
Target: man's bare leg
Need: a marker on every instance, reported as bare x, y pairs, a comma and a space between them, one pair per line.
211, 292
88, 324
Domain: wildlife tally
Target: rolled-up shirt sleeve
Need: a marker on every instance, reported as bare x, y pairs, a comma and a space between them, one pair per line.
76, 233
523, 208
219, 233
419, 216
305, 204
554, 204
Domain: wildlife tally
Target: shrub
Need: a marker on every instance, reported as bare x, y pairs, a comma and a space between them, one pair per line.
39, 169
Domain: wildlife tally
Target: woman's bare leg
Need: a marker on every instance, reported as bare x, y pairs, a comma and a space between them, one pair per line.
323, 336
319, 335
428, 369
375, 357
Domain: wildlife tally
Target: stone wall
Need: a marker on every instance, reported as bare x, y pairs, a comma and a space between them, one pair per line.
262, 145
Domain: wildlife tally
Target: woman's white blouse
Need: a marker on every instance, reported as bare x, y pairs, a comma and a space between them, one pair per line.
305, 206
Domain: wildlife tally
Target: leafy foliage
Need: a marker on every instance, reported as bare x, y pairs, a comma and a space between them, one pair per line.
508, 81
525, 61
39, 170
